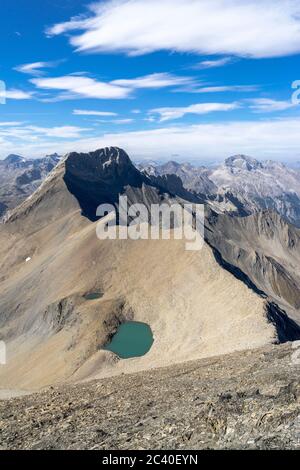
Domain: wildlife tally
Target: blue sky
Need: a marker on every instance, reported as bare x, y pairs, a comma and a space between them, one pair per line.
195, 79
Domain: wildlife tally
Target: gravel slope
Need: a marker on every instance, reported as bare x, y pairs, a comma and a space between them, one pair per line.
245, 400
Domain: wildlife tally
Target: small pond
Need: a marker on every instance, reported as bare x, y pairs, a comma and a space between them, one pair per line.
93, 295
132, 339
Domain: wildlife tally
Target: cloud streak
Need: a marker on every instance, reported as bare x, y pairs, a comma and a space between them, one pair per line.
10, 123
14, 94
89, 112
266, 105
34, 68
82, 86
155, 80
32, 133
221, 89
211, 64
167, 114
79, 86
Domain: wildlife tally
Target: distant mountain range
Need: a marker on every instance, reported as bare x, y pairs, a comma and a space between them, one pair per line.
241, 186
20, 177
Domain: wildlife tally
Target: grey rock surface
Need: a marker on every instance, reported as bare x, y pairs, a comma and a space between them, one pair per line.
245, 400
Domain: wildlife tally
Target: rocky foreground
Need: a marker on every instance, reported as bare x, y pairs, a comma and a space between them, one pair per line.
244, 400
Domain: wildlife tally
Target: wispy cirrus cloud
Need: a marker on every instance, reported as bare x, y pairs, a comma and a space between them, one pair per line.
123, 121
167, 114
114, 121
211, 64
223, 88
61, 132
194, 88
79, 86
267, 105
32, 133
268, 28
154, 80
10, 123
34, 68
89, 112
14, 94
74, 86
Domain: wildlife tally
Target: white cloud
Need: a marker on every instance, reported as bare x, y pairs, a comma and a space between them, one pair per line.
276, 139
86, 112
252, 28
31, 133
266, 105
167, 114
75, 86
209, 64
155, 80
34, 68
82, 86
14, 94
123, 121
221, 89
10, 123
115, 121
150, 119
63, 132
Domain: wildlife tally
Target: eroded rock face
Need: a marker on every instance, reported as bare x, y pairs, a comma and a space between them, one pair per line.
263, 248
245, 400
58, 315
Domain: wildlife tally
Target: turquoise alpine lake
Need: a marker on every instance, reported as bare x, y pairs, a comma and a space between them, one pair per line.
132, 339
93, 295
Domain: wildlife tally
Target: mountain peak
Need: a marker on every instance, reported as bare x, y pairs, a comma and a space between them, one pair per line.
100, 176
106, 162
242, 162
13, 158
